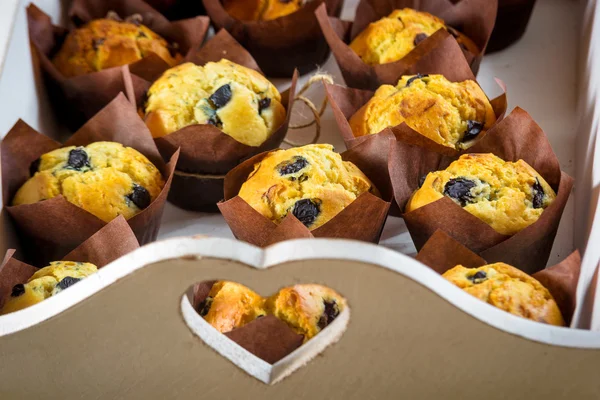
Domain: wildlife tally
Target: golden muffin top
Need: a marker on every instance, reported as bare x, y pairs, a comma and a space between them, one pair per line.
393, 37
508, 289
238, 100
307, 309
106, 43
508, 196
312, 182
230, 305
261, 10
47, 282
453, 114
106, 179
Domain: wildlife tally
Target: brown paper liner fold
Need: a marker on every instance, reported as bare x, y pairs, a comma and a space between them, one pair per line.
474, 18
268, 338
281, 45
442, 252
363, 219
52, 228
78, 98
516, 137
111, 242
206, 153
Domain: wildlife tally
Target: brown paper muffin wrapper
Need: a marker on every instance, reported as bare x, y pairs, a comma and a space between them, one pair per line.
363, 219
268, 338
515, 137
441, 253
51, 228
79, 98
111, 242
178, 9
207, 153
474, 18
281, 45
511, 23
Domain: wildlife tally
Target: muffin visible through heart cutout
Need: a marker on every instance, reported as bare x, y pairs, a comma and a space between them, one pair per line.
268, 337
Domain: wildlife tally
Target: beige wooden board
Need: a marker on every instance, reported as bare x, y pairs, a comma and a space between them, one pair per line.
129, 340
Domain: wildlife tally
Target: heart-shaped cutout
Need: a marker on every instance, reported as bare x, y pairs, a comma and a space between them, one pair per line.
262, 345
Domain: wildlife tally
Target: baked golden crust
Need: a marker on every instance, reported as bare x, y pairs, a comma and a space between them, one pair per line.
47, 282
393, 37
106, 43
452, 114
312, 182
508, 289
104, 178
239, 101
307, 309
508, 196
230, 305
261, 10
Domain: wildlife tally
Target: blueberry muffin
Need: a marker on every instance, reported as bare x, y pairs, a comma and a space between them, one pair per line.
393, 37
312, 182
508, 196
230, 305
239, 101
104, 178
261, 10
307, 309
47, 282
452, 114
106, 43
508, 289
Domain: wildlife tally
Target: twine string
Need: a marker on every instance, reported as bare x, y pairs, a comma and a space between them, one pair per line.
317, 113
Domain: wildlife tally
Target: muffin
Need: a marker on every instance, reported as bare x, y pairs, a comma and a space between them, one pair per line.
508, 289
47, 282
106, 43
104, 178
312, 182
230, 305
452, 114
508, 196
393, 37
239, 101
307, 309
261, 10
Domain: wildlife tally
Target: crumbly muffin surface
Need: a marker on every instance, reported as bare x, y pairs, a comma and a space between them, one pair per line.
453, 114
312, 182
106, 43
106, 179
508, 196
239, 101
508, 289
